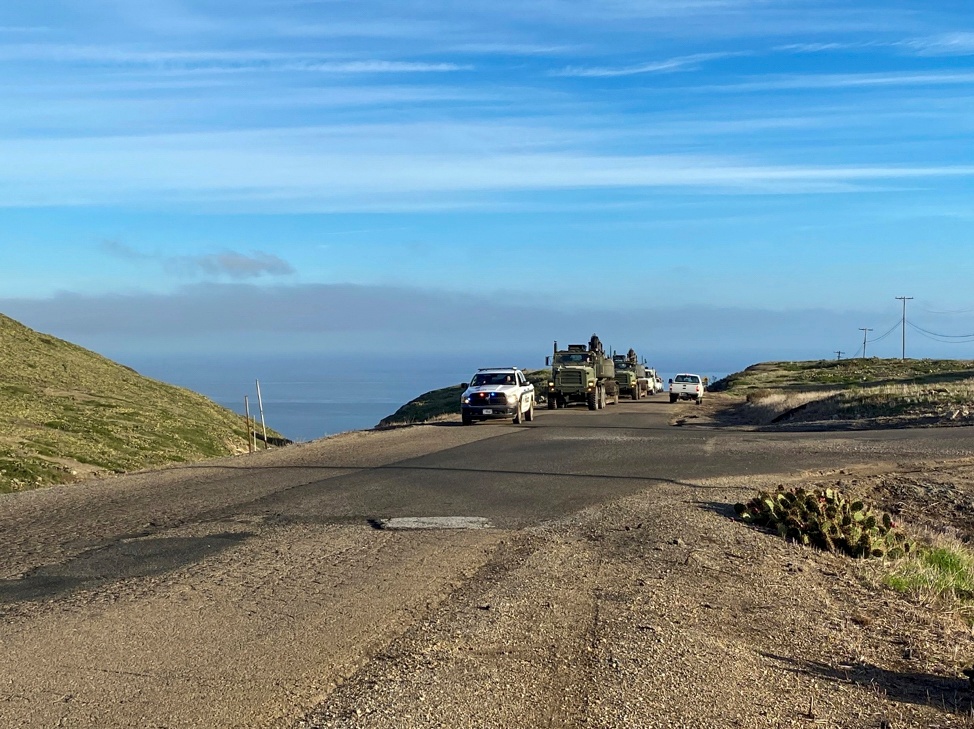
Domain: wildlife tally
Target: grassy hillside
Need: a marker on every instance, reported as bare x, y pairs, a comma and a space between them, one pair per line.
877, 391
446, 401
67, 413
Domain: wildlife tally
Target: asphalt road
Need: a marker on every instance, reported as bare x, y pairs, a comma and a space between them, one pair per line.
238, 592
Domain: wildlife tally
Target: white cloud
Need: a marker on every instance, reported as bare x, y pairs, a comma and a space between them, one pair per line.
673, 64
946, 44
346, 167
849, 80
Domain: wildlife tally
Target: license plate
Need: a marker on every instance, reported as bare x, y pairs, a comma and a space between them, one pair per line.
488, 411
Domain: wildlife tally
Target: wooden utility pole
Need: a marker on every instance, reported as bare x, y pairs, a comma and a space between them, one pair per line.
865, 332
263, 426
904, 299
250, 431
838, 353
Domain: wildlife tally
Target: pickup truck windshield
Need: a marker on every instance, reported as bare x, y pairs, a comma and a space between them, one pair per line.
492, 378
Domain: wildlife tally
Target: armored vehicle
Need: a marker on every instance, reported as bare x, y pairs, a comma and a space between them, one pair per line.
582, 374
631, 376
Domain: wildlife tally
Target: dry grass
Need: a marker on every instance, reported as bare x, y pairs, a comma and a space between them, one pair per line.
945, 395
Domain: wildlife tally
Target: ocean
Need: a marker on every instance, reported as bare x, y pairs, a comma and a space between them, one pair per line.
306, 397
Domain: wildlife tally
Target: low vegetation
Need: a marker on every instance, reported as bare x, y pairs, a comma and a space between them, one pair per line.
69, 413
826, 519
867, 392
939, 573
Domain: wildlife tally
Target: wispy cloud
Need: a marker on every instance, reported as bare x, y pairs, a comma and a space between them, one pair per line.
844, 81
347, 169
216, 60
681, 63
230, 264
233, 265
946, 44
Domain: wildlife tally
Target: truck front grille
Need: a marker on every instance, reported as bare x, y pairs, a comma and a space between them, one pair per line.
571, 378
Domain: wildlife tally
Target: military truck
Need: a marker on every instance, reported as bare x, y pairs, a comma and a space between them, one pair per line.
631, 376
582, 374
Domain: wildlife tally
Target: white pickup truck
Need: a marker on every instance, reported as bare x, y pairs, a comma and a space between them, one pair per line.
498, 392
687, 387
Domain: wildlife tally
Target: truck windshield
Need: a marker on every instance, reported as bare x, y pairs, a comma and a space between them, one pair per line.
573, 358
687, 378
492, 378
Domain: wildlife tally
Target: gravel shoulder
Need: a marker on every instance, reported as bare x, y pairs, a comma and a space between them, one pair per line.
659, 610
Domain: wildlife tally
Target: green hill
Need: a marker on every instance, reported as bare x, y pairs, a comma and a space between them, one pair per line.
67, 413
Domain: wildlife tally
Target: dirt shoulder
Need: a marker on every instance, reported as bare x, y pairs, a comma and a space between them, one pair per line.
660, 610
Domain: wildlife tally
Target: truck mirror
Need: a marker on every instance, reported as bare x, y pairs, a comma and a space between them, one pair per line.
463, 385
671, 380
547, 361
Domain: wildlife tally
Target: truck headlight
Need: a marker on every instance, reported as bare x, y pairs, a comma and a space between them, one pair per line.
511, 398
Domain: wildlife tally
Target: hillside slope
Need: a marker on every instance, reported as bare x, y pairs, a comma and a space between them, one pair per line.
67, 413
852, 393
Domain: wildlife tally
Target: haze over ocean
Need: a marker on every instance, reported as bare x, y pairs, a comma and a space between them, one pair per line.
310, 396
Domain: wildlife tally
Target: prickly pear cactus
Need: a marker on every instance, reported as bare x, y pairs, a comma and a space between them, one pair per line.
824, 518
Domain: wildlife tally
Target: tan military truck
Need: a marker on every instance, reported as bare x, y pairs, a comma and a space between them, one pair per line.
582, 374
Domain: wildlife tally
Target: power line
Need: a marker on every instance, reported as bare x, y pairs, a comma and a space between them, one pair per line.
935, 334
888, 332
943, 338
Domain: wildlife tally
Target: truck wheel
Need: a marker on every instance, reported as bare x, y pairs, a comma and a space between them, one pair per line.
529, 415
592, 400
552, 402
672, 398
467, 420
699, 401
517, 413
635, 392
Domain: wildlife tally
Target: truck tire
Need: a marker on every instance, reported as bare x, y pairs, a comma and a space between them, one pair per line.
552, 402
529, 415
466, 419
672, 398
635, 392
517, 413
699, 401
592, 400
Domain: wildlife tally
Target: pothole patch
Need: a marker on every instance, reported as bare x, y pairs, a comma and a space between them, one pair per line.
433, 522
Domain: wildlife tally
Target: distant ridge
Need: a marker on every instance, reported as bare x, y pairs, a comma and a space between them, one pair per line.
67, 413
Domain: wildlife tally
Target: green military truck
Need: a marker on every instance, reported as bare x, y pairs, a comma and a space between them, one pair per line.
582, 374
631, 376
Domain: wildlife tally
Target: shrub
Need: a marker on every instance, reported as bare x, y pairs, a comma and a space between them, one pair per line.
826, 519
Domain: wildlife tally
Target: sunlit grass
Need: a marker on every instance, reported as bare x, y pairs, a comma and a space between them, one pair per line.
941, 573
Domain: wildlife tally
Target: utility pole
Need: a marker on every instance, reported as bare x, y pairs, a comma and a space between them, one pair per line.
904, 299
865, 333
838, 353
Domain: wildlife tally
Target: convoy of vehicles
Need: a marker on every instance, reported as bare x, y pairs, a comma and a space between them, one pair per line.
498, 392
687, 387
582, 374
631, 376
579, 374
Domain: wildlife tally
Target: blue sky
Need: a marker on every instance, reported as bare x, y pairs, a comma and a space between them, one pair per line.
759, 177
